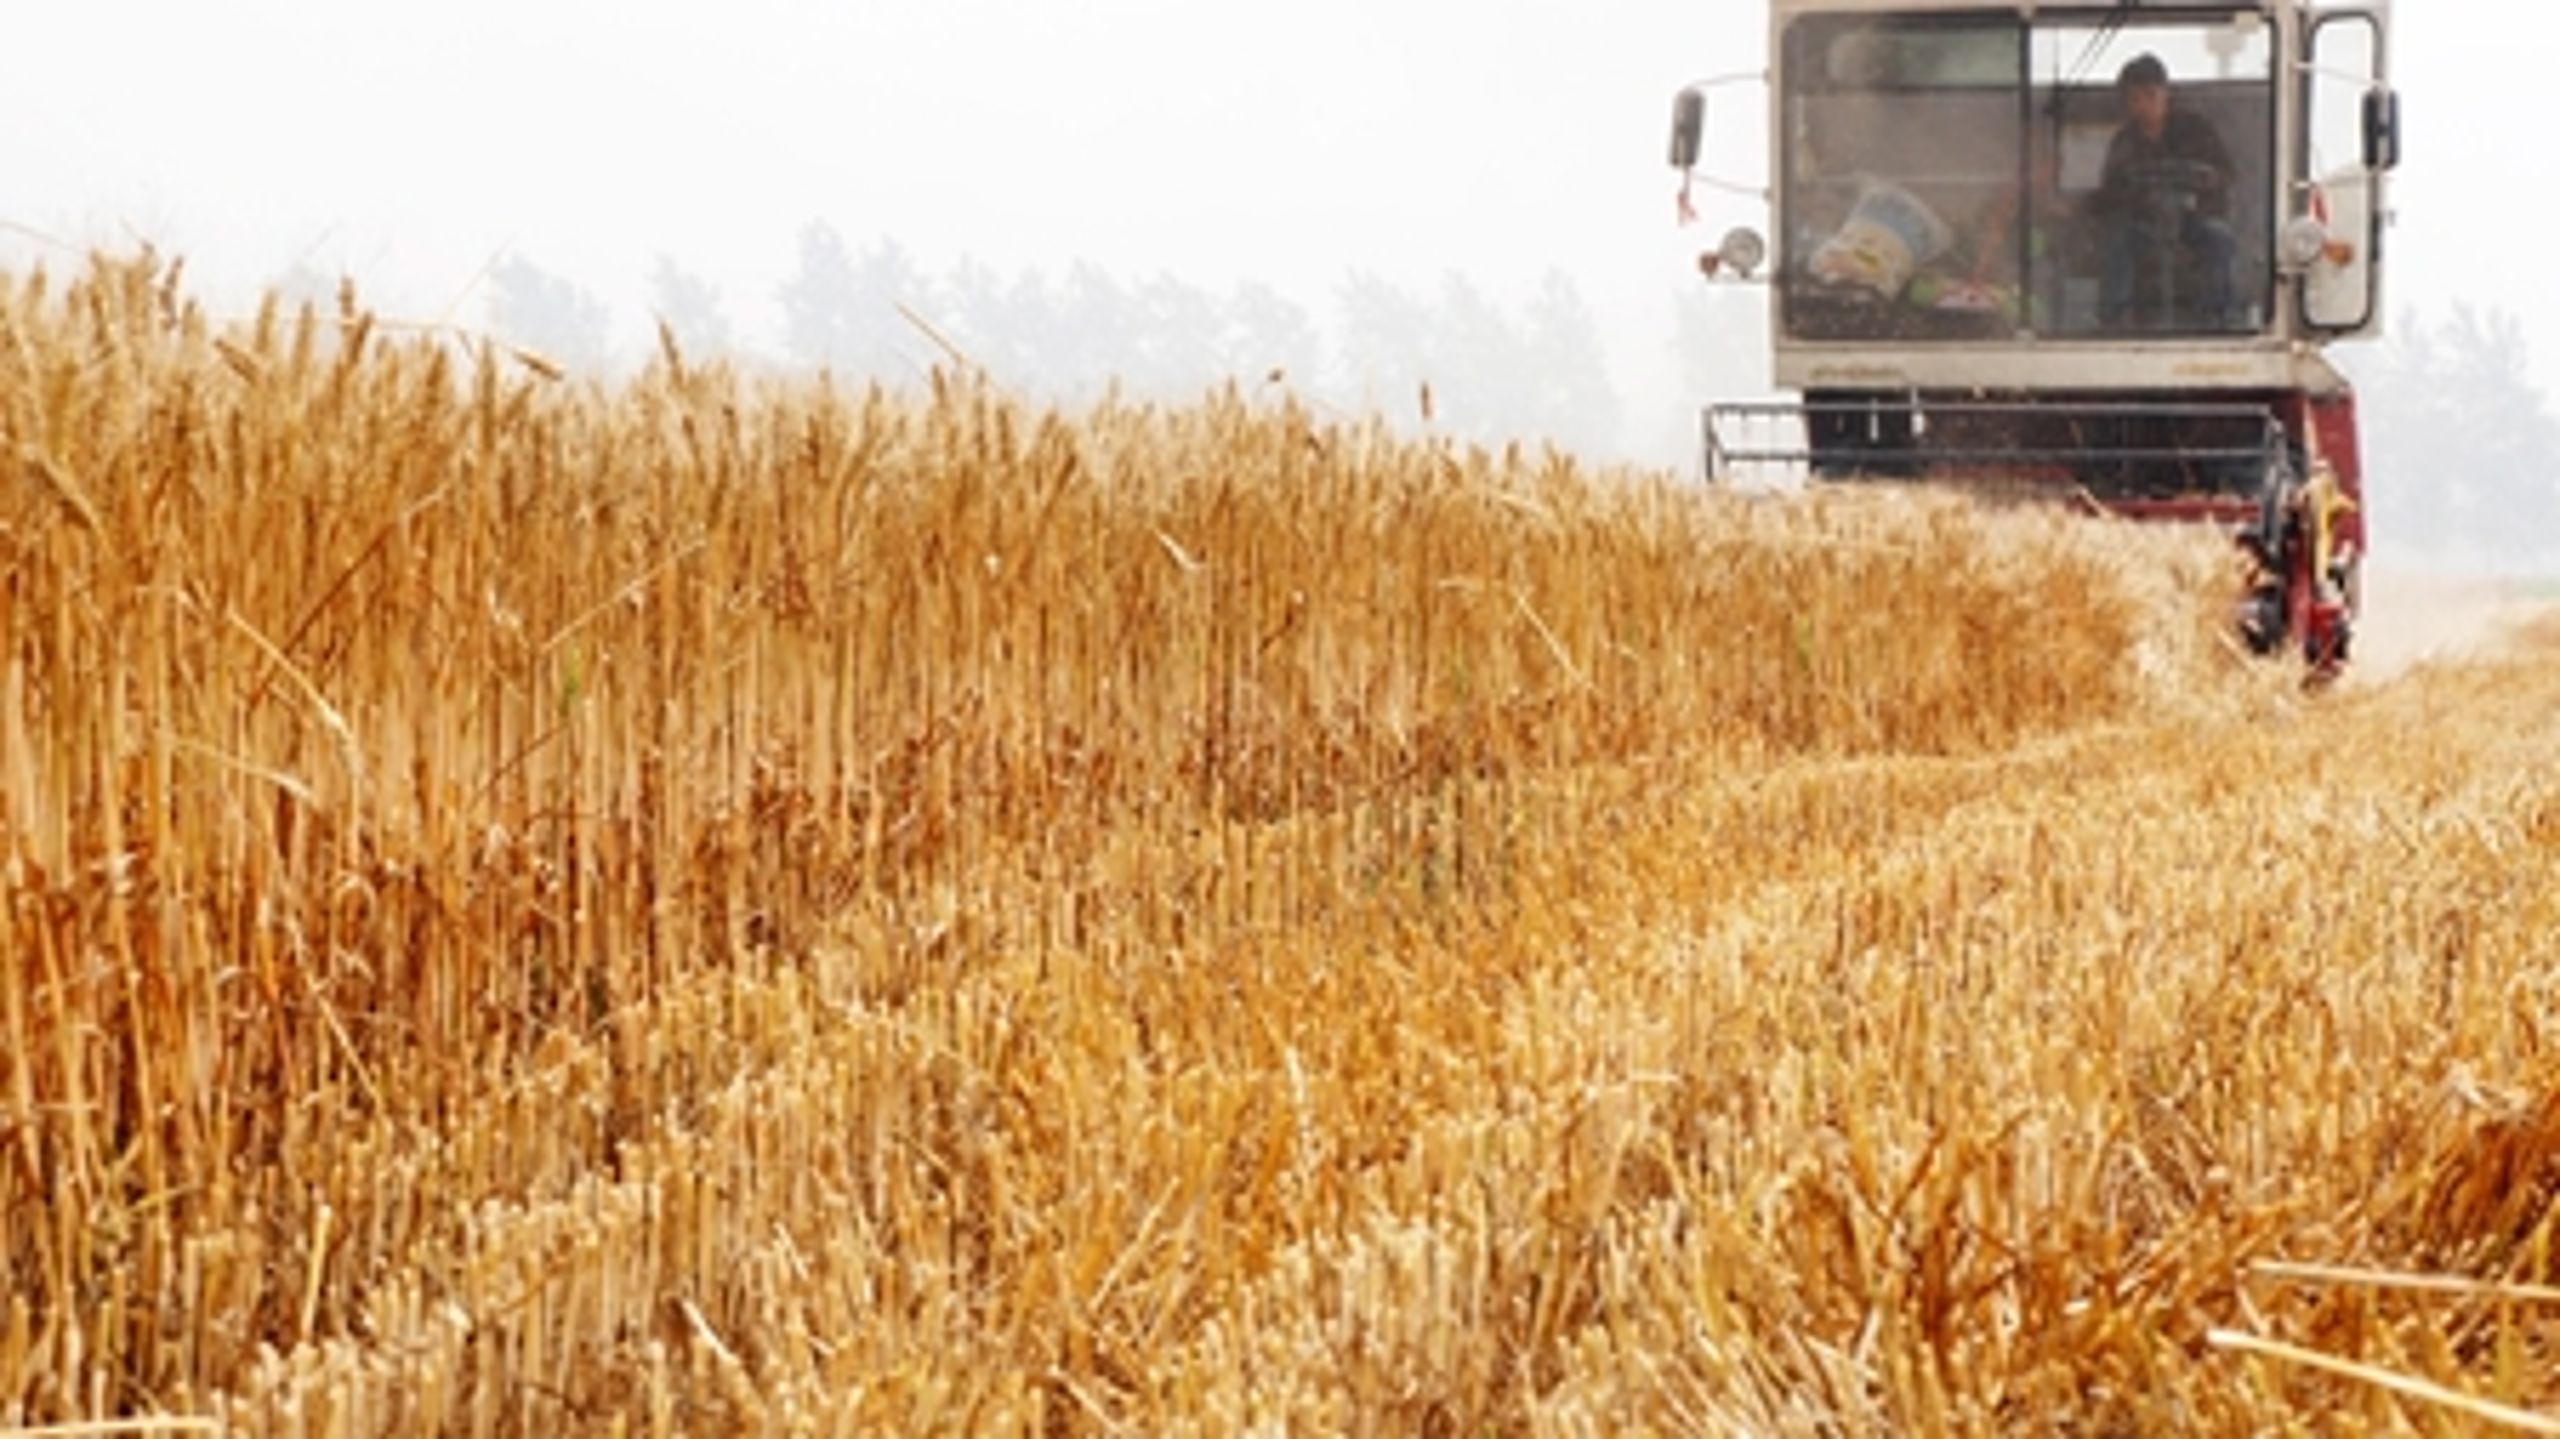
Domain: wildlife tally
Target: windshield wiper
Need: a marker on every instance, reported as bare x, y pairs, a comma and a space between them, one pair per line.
2107, 32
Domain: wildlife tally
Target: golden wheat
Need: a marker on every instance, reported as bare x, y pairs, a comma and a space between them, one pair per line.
717, 904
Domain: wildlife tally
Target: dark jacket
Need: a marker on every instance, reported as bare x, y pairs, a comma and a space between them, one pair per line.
2189, 137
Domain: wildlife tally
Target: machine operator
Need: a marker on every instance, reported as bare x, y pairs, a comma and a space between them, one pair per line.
2163, 207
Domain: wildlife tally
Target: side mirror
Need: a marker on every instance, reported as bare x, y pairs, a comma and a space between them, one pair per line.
1688, 128
2381, 129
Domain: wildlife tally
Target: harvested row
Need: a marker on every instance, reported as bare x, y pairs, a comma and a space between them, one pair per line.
1984, 1123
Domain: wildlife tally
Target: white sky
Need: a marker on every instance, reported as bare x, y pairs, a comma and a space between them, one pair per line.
407, 142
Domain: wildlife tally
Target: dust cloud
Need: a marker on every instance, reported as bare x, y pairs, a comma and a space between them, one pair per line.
2415, 616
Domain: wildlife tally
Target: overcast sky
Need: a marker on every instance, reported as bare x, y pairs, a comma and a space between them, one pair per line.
407, 142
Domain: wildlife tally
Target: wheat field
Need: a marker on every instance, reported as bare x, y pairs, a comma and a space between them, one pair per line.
728, 904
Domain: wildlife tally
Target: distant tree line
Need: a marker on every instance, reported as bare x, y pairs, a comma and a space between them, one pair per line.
2462, 448
1454, 360
2463, 451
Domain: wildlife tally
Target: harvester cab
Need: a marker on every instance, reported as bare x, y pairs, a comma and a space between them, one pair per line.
2090, 252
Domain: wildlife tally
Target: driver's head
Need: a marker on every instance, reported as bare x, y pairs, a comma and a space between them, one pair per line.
2143, 87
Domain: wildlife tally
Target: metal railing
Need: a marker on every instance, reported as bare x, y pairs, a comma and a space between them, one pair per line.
2226, 447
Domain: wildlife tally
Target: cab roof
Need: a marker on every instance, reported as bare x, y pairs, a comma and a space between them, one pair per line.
2123, 9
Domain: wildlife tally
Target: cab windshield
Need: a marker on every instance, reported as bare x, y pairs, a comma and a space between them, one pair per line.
1970, 178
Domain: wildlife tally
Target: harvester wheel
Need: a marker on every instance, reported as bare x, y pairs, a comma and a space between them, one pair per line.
2262, 620
2266, 616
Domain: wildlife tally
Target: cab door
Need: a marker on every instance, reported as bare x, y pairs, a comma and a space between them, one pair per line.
2351, 143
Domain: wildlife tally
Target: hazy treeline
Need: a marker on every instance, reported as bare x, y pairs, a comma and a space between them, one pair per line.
2463, 450
1532, 371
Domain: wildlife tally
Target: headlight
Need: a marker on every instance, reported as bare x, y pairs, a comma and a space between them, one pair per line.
1742, 251
2305, 240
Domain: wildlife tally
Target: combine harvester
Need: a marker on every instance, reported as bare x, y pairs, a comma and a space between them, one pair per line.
2091, 252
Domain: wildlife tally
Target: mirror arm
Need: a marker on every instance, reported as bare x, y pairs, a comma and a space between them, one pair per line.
1689, 134
1735, 187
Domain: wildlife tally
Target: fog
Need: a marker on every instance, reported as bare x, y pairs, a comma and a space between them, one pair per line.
1429, 150
407, 144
